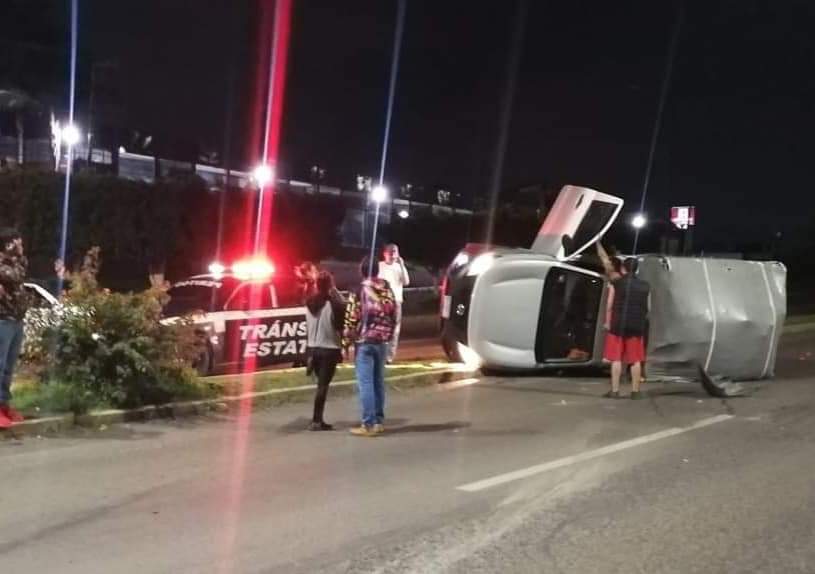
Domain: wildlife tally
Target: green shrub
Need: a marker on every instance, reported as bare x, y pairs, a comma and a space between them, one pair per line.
114, 347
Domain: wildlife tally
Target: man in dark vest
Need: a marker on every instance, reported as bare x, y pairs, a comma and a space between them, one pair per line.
626, 320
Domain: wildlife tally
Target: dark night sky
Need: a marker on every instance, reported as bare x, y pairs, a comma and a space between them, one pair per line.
737, 121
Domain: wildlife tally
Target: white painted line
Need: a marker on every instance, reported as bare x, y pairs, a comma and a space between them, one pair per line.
458, 384
588, 455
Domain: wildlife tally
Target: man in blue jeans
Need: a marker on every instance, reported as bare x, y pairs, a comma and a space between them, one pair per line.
370, 319
13, 305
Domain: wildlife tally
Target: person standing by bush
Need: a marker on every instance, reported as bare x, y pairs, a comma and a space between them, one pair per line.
13, 305
325, 312
369, 325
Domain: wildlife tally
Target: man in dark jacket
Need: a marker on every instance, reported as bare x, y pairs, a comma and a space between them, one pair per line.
13, 305
626, 320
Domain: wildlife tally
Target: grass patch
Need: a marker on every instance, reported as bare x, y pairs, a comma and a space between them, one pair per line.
35, 399
288, 378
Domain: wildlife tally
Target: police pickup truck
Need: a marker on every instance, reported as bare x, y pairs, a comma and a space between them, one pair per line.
248, 316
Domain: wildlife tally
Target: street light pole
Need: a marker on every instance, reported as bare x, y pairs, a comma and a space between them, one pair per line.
263, 175
663, 93
71, 136
379, 195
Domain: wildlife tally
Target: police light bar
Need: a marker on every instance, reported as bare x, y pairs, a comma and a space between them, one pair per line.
217, 269
253, 269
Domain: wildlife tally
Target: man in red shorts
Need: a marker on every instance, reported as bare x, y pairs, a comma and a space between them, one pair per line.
626, 319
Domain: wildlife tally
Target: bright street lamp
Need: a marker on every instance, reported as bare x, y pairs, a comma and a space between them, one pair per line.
379, 194
638, 221
71, 135
263, 174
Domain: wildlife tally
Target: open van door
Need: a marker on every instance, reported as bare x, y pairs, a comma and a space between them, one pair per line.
579, 217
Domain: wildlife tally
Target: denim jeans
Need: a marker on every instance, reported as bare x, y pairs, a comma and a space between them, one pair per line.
370, 367
11, 341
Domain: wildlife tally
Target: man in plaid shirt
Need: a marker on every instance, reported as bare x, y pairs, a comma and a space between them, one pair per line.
14, 302
370, 319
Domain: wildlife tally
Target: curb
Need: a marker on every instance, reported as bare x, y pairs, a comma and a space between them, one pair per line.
272, 397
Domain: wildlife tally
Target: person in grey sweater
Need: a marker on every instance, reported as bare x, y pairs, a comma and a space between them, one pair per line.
325, 311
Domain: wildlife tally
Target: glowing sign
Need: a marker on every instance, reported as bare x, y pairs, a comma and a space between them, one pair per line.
684, 216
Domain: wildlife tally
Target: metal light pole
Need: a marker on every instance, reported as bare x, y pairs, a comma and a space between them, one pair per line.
263, 175
379, 195
666, 82
71, 136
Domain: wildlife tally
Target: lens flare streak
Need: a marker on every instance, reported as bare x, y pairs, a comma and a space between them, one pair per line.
238, 446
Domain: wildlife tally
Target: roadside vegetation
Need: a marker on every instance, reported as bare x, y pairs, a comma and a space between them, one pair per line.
108, 349
101, 350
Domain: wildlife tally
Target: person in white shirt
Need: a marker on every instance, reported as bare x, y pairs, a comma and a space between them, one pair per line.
394, 271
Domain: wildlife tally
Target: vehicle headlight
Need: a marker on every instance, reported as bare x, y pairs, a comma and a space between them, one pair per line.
480, 264
461, 260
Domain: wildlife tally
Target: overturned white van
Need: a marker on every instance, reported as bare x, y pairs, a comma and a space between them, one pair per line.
529, 309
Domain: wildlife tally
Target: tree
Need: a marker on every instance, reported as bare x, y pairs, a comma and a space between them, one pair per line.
18, 103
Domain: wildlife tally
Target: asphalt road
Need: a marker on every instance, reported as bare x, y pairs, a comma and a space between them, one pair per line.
506, 475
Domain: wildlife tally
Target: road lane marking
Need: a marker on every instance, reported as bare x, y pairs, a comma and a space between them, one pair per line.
588, 455
459, 383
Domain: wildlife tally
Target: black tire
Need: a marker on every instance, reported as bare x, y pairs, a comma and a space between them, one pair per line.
494, 372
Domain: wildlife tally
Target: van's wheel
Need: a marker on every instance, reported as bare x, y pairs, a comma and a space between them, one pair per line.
203, 364
492, 371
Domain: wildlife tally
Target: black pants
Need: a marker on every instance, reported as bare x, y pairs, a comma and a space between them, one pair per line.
324, 363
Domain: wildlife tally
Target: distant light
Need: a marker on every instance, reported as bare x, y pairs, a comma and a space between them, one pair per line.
217, 269
403, 213
253, 269
71, 135
263, 174
469, 357
480, 264
379, 194
461, 260
122, 149
638, 221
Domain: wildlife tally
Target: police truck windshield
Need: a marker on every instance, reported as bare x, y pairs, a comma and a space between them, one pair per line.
194, 296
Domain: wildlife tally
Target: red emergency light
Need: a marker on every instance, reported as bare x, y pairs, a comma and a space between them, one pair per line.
254, 269
217, 269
